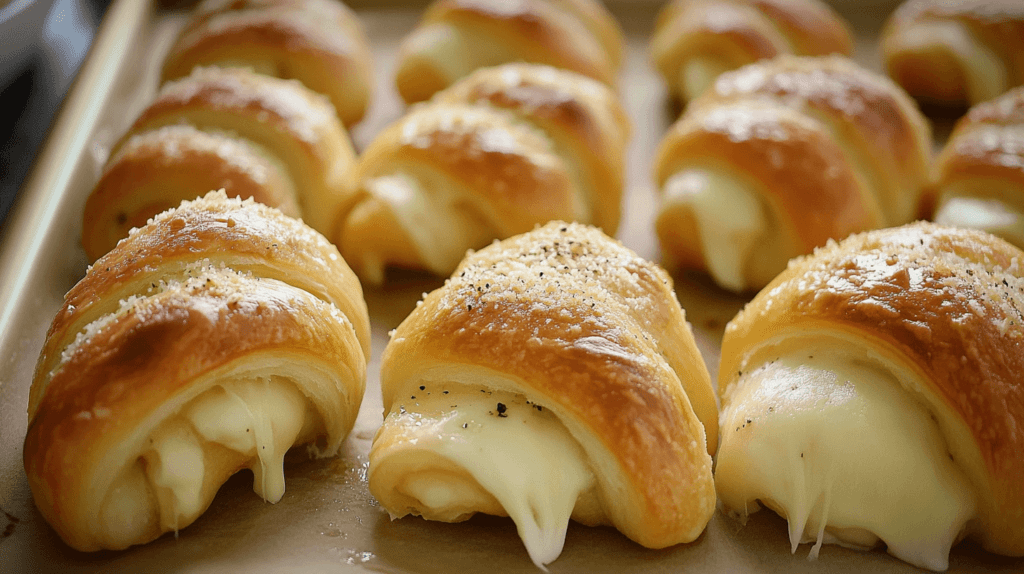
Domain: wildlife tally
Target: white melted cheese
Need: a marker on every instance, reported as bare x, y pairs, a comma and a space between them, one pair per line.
983, 70
519, 453
991, 215
440, 231
730, 218
698, 74
837, 447
453, 51
177, 473
261, 417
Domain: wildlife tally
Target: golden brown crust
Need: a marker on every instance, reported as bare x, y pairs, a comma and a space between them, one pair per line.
826, 147
881, 129
740, 32
242, 235
801, 175
595, 334
584, 118
318, 42
936, 72
943, 304
154, 355
984, 160
601, 24
499, 152
214, 295
290, 122
456, 37
511, 172
156, 170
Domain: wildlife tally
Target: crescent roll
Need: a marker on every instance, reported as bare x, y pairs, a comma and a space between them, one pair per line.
696, 40
501, 151
872, 394
553, 376
456, 37
980, 172
779, 157
955, 53
318, 42
209, 341
220, 128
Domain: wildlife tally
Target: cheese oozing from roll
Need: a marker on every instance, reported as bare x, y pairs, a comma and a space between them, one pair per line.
986, 213
466, 450
730, 220
985, 74
835, 445
259, 417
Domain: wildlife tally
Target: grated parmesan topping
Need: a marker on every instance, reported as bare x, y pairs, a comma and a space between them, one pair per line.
303, 112
565, 272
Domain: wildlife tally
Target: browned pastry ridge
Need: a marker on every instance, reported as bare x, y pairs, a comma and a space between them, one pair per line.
782, 155
955, 53
979, 175
249, 134
211, 340
501, 151
554, 374
882, 374
456, 37
696, 40
321, 43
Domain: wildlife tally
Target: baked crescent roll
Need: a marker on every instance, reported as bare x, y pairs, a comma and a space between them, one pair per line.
980, 172
553, 376
220, 128
318, 42
456, 37
779, 157
494, 155
955, 53
696, 40
872, 394
211, 340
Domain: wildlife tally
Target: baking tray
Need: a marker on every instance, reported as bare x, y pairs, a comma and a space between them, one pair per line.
327, 520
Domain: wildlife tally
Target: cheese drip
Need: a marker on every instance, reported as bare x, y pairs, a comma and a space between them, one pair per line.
837, 447
259, 418
991, 215
438, 227
730, 219
518, 453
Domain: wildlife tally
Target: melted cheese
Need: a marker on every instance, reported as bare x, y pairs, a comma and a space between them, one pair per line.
837, 447
983, 70
437, 228
698, 74
519, 454
261, 417
177, 474
730, 219
128, 509
991, 215
452, 51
